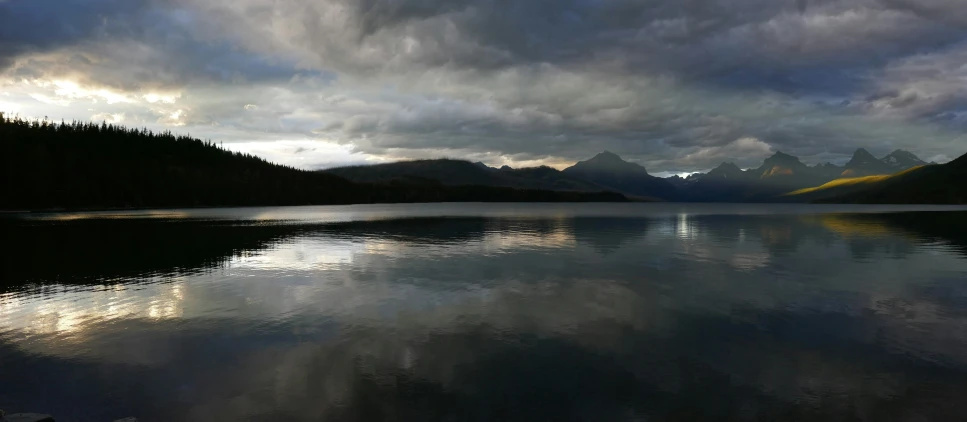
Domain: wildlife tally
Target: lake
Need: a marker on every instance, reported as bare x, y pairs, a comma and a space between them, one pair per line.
506, 312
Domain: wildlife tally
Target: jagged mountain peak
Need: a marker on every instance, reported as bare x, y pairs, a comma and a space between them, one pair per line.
729, 166
727, 170
609, 162
861, 156
779, 155
902, 159
782, 159
609, 170
606, 157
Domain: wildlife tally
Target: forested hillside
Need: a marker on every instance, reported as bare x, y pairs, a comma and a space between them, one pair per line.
85, 165
935, 184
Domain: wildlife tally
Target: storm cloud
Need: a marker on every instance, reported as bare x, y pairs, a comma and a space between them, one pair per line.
677, 85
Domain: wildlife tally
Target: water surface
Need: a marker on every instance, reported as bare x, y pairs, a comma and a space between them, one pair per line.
654, 312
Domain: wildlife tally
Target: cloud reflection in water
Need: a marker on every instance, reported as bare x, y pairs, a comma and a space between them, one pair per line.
665, 317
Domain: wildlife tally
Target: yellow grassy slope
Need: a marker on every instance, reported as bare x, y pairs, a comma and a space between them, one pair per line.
847, 182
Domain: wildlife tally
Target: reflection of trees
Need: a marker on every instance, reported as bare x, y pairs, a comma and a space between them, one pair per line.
92, 251
115, 250
107, 250
610, 343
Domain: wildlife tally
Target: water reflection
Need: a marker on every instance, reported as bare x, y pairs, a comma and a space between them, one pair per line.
632, 316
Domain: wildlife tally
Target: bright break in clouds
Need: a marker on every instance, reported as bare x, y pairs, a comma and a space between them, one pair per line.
676, 85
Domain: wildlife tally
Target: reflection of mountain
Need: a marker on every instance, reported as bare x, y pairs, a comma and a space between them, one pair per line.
93, 251
102, 250
921, 227
497, 319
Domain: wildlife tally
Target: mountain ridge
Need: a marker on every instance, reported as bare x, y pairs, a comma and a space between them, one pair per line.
57, 168
782, 173
929, 184
609, 169
72, 166
778, 175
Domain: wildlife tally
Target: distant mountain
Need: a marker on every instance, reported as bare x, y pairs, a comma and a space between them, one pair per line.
681, 183
774, 180
90, 166
459, 173
902, 160
725, 183
778, 174
838, 187
783, 173
609, 170
930, 184
554, 179
726, 171
865, 164
828, 171
441, 171
484, 166
783, 170
607, 162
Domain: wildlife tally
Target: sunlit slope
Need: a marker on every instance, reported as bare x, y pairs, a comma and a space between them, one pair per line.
846, 185
933, 184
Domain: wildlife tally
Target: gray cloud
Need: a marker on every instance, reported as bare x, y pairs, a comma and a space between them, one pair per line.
676, 85
29, 26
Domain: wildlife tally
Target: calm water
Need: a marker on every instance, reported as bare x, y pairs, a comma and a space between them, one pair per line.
488, 312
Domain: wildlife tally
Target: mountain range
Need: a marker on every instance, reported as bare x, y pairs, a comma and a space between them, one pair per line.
782, 173
48, 166
774, 180
933, 184
84, 165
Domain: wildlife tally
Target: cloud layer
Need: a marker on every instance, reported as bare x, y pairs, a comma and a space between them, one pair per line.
675, 85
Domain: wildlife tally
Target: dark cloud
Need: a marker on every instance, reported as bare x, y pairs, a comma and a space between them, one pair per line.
42, 25
124, 44
674, 84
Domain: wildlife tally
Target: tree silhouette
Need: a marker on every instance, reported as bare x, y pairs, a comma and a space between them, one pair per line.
84, 165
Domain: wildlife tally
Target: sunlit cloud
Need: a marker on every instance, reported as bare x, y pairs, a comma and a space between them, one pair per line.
676, 87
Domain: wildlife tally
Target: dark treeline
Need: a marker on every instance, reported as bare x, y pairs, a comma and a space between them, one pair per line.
80, 165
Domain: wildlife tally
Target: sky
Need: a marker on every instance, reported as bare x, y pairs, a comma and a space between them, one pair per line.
675, 85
